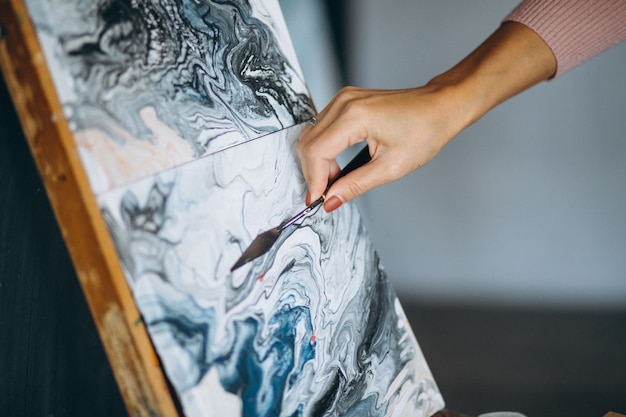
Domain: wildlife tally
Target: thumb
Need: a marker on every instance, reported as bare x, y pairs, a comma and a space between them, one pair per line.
356, 183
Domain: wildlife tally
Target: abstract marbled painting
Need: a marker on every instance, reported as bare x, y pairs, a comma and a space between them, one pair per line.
186, 114
312, 328
147, 85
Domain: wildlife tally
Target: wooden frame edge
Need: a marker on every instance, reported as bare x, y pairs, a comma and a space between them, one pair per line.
135, 365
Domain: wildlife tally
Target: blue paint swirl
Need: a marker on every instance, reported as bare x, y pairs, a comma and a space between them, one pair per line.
255, 368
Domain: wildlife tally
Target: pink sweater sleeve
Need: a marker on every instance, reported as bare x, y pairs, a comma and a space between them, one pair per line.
575, 30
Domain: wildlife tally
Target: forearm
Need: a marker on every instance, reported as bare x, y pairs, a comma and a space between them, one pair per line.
511, 60
405, 129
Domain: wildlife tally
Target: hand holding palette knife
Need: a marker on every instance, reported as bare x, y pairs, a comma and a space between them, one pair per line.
264, 241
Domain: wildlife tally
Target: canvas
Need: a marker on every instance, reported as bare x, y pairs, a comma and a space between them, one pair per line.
186, 115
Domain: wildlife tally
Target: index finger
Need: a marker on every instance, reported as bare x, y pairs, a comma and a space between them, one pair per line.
320, 144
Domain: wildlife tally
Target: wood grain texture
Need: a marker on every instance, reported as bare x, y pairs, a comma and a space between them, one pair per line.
124, 337
52, 362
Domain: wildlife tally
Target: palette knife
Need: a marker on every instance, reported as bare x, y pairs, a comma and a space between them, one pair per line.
264, 241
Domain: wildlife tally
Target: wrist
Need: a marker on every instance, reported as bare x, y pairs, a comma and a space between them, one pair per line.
462, 102
510, 61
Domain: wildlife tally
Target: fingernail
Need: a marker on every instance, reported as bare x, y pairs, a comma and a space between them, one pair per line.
308, 198
333, 203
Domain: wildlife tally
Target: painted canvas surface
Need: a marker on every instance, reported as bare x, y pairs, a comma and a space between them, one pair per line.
148, 85
186, 115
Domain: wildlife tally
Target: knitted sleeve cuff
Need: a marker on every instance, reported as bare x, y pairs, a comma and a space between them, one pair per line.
575, 30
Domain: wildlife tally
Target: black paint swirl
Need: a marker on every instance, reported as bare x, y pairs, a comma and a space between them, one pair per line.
207, 67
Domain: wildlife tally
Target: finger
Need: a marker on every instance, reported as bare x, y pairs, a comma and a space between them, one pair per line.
323, 119
333, 171
341, 124
320, 145
316, 172
318, 160
315, 167
358, 182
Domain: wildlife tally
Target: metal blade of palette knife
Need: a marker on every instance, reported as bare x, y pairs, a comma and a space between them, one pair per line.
264, 241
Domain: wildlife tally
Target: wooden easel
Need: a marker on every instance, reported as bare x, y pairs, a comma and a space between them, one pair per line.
129, 350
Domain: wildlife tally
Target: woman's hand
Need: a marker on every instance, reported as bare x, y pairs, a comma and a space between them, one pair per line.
405, 129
